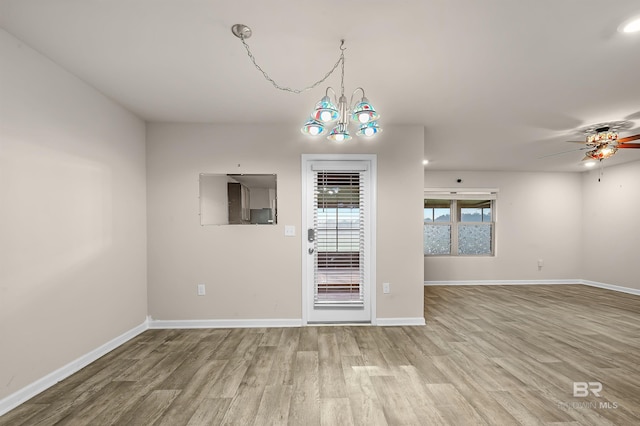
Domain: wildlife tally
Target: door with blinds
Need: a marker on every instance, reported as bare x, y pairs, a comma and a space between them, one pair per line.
338, 241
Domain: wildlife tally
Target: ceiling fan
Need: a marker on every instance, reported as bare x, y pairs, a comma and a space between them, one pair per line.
602, 140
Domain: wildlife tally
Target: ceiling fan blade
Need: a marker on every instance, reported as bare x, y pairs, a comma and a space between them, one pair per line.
582, 142
629, 138
628, 145
563, 152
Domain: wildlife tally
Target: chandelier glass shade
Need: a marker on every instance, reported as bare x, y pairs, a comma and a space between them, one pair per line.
369, 129
313, 127
325, 111
363, 112
340, 133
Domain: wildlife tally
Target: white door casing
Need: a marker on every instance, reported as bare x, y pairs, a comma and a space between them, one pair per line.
338, 263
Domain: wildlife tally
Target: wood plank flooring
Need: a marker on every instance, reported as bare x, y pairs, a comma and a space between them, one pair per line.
489, 355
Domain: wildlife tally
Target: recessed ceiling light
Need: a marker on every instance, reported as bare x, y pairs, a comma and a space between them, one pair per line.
590, 164
425, 162
630, 26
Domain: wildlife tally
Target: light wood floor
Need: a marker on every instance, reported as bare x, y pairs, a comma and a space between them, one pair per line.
496, 355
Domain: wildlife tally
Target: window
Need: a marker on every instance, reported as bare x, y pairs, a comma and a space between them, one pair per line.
437, 227
339, 238
459, 224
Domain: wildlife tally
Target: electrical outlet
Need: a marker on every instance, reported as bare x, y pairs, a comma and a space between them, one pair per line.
540, 263
386, 288
201, 290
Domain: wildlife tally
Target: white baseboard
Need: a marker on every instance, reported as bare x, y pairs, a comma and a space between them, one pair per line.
611, 287
12, 401
400, 321
262, 323
536, 282
503, 282
225, 323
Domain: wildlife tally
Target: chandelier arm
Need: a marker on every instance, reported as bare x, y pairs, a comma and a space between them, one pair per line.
289, 89
335, 95
352, 94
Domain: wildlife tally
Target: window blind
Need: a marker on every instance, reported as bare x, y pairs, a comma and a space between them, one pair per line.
339, 238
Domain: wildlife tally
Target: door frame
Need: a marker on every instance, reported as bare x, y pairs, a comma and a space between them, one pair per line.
372, 160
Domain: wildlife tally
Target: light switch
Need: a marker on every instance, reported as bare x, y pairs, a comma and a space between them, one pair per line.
289, 231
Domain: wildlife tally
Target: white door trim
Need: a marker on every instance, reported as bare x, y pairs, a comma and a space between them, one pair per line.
372, 159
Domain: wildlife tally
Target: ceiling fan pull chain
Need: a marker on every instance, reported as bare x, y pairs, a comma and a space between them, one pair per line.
601, 171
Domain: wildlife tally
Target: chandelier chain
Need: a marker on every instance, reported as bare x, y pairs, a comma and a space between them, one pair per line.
289, 89
342, 75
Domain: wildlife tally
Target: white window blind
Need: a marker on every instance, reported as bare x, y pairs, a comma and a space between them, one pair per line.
339, 238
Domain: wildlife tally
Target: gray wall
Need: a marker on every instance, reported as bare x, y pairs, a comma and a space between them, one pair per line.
538, 216
72, 218
254, 272
611, 225
581, 227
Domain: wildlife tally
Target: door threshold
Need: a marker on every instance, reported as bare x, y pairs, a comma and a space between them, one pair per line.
330, 324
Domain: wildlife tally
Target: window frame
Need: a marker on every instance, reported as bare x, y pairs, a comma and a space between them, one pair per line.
455, 217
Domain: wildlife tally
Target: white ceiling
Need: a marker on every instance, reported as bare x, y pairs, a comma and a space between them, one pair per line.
496, 83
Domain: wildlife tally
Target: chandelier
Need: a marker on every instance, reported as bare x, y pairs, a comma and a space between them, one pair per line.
330, 109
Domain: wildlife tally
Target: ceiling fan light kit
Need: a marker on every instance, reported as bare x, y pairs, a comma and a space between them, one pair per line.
603, 141
602, 152
329, 109
603, 135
